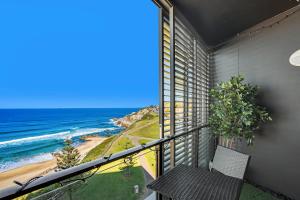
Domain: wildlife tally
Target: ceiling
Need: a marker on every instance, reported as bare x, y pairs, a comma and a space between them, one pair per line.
219, 20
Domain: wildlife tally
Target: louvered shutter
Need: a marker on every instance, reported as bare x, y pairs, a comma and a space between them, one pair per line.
184, 94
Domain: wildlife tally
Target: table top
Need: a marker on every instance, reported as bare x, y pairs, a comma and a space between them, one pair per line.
190, 183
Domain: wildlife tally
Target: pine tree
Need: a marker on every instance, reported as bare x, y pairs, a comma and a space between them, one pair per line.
68, 157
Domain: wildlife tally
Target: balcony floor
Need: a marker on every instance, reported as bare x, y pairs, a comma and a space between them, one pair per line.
249, 192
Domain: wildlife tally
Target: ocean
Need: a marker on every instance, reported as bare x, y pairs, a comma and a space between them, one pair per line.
32, 135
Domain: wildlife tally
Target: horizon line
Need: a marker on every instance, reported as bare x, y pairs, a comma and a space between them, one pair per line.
78, 107
74, 108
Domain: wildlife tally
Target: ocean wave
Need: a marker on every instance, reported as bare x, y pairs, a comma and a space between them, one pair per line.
21, 131
24, 161
61, 135
111, 121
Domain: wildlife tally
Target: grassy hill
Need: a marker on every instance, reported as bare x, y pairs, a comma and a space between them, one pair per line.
114, 185
99, 150
120, 144
147, 127
144, 131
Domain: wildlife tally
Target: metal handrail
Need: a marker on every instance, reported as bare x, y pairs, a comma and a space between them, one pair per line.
16, 191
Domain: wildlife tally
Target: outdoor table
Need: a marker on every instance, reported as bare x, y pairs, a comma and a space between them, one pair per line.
191, 183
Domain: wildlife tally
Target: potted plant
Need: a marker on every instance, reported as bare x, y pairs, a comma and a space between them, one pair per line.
234, 112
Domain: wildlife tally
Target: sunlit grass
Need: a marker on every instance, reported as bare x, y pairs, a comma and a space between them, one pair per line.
121, 144
151, 160
99, 150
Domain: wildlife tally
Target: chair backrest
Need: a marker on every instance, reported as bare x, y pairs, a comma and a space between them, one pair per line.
230, 162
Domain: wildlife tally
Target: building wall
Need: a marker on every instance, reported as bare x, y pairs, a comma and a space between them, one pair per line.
263, 59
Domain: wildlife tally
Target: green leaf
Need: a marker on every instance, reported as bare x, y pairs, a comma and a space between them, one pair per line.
234, 112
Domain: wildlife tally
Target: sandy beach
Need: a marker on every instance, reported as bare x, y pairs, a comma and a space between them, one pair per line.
24, 173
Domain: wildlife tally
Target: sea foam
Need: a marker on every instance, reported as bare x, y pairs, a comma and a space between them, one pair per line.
57, 136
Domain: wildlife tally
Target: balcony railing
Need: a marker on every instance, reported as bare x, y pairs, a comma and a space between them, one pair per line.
70, 177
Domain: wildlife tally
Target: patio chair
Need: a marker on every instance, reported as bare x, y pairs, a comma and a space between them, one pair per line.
230, 162
223, 182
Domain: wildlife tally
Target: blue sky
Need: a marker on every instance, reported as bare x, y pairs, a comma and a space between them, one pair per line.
92, 53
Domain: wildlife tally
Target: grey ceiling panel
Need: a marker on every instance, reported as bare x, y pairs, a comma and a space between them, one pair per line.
219, 20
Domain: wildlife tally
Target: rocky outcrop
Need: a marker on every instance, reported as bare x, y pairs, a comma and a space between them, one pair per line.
135, 116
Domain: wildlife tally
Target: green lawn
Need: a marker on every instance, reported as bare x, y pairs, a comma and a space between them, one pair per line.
151, 159
147, 127
250, 192
146, 119
99, 150
144, 141
121, 144
112, 186
149, 131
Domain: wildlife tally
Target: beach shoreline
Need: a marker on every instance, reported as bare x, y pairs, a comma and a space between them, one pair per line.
26, 172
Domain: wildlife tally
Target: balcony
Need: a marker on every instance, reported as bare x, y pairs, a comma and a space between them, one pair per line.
201, 44
72, 181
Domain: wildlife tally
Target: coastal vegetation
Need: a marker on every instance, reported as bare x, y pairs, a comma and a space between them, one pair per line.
147, 127
144, 141
99, 150
128, 164
112, 181
130, 119
114, 185
68, 157
121, 144
150, 157
149, 131
108, 183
